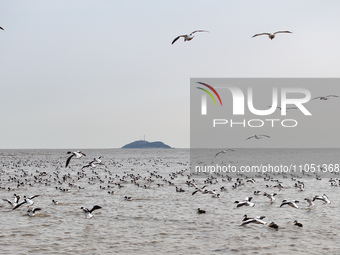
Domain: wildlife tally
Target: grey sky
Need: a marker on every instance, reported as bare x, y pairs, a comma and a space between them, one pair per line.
100, 74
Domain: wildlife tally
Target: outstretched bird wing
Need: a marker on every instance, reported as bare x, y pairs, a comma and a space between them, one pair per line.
199, 31
261, 34
247, 222
36, 209
218, 153
68, 160
31, 197
94, 208
282, 32
10, 202
18, 205
177, 38
250, 137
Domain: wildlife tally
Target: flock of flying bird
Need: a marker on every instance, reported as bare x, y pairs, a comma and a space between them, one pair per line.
191, 36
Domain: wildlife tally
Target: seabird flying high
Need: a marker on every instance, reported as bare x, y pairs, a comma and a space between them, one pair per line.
188, 37
272, 36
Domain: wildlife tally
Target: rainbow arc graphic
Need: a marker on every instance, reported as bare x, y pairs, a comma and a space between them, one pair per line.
204, 97
209, 93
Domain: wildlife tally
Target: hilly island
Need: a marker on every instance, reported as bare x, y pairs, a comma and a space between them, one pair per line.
142, 144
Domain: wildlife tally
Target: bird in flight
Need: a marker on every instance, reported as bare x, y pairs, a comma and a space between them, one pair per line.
256, 220
76, 154
188, 37
224, 151
15, 202
94, 162
27, 200
199, 189
245, 202
91, 164
31, 212
257, 137
325, 97
292, 203
323, 198
271, 196
272, 36
88, 212
2, 28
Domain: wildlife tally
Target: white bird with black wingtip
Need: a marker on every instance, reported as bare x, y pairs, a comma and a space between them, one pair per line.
292, 203
245, 202
88, 212
15, 202
27, 200
31, 212
256, 220
75, 154
323, 198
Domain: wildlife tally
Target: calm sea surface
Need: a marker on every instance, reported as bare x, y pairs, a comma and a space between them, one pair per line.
158, 220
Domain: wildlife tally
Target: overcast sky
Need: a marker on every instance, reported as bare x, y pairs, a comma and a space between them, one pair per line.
100, 74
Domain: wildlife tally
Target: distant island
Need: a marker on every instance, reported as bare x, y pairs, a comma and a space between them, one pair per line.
142, 144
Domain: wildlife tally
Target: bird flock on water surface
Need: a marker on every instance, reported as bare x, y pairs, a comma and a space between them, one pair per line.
100, 174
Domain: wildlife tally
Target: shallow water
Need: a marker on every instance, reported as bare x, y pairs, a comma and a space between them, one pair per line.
158, 220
